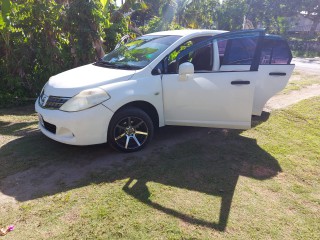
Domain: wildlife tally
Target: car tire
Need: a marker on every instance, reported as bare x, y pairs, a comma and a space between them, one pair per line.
130, 130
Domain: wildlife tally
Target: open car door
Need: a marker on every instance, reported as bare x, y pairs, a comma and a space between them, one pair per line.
275, 70
210, 96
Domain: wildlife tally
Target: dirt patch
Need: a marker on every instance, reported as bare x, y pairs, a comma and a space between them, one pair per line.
285, 100
307, 65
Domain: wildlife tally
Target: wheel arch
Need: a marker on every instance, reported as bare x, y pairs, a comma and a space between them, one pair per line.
147, 107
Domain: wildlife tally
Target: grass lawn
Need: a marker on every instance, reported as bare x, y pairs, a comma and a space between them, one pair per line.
262, 183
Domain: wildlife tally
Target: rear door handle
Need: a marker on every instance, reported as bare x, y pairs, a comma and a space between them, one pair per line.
239, 82
277, 74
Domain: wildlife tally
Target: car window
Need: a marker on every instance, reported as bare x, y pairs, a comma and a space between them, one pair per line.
173, 55
238, 51
275, 51
222, 44
201, 57
139, 52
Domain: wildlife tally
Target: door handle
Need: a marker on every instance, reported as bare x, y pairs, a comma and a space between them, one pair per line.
239, 82
277, 74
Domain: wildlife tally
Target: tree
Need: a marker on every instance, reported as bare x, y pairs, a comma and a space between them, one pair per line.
200, 14
84, 23
231, 13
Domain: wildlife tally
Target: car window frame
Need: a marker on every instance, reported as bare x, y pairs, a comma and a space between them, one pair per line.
277, 39
254, 66
165, 60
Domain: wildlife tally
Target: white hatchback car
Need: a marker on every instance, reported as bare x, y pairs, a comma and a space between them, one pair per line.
204, 78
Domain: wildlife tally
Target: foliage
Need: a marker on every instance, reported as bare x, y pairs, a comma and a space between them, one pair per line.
83, 23
157, 24
199, 14
42, 38
117, 28
231, 14
33, 46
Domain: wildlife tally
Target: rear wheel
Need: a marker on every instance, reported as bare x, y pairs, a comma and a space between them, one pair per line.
130, 130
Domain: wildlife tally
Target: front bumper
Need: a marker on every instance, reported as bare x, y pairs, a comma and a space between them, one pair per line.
85, 127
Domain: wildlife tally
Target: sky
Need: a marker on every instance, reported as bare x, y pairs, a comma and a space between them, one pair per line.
118, 2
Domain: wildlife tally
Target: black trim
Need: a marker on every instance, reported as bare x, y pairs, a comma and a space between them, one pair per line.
257, 54
159, 69
277, 74
50, 127
240, 82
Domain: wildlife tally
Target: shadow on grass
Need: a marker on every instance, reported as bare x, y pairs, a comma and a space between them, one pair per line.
16, 129
204, 160
25, 109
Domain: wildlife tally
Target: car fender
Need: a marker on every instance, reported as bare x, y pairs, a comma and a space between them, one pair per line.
147, 89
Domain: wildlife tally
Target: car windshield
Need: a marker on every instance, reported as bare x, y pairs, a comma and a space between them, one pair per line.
138, 53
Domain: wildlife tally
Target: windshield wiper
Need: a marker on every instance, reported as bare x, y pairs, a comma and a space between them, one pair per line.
118, 66
104, 64
127, 66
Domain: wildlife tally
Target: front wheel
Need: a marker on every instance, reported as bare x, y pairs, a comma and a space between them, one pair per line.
130, 130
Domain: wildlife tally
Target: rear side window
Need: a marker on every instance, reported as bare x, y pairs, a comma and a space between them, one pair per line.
275, 51
239, 51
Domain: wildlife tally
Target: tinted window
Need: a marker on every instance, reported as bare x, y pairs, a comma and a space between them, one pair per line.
202, 58
281, 53
266, 51
275, 51
238, 51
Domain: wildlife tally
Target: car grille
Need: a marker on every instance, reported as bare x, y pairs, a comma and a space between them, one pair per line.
53, 102
50, 127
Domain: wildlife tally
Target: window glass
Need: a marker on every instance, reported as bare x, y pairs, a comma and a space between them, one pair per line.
173, 55
139, 52
266, 51
281, 53
275, 51
222, 44
172, 59
201, 58
238, 51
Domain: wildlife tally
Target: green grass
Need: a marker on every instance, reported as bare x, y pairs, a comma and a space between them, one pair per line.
262, 183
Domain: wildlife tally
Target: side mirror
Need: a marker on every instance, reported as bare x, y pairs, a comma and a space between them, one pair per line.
185, 69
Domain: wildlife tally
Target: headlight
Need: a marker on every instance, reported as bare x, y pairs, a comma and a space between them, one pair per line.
85, 99
42, 90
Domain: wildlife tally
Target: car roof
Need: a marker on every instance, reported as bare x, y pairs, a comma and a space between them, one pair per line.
186, 32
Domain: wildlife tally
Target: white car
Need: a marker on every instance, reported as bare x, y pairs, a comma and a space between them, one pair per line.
203, 78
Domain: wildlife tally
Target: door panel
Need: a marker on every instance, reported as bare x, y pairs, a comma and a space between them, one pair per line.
272, 79
209, 99
226, 68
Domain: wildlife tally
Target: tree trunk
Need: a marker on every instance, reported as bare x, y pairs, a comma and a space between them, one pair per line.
136, 30
96, 41
97, 44
314, 25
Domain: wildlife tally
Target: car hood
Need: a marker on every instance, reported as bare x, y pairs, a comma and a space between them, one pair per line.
71, 82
